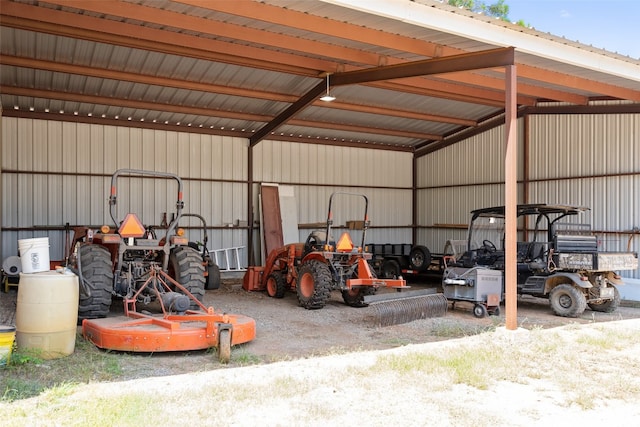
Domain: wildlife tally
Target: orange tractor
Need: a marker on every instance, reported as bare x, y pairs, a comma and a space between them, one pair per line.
320, 265
128, 260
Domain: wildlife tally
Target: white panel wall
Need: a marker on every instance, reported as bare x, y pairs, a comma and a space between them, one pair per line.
59, 172
584, 160
593, 161
316, 171
455, 180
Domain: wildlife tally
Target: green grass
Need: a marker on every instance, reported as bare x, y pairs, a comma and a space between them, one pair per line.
582, 365
472, 367
28, 374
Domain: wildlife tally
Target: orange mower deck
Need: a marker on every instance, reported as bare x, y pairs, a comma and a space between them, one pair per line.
147, 333
169, 331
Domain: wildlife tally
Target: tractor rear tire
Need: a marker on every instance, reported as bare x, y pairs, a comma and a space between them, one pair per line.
185, 267
314, 284
96, 273
390, 269
276, 285
355, 296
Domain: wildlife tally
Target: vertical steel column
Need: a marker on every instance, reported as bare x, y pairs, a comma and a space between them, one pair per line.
250, 247
511, 198
414, 201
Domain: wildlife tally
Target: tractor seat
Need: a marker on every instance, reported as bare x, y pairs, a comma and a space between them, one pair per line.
316, 241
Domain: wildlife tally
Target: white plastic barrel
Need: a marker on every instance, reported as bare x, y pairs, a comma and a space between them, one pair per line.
47, 313
34, 254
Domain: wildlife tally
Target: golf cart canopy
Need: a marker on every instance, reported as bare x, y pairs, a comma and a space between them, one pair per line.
529, 209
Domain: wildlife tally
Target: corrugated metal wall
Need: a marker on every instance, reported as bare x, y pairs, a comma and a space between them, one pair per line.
455, 180
59, 172
590, 161
583, 160
316, 171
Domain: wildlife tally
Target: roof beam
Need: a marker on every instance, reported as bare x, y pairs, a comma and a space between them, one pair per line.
304, 21
267, 13
523, 88
448, 64
204, 112
148, 79
342, 55
44, 20
440, 19
134, 36
130, 103
468, 61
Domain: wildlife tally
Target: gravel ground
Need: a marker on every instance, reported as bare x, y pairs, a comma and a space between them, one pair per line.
286, 331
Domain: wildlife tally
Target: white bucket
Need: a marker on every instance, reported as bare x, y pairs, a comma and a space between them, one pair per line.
34, 254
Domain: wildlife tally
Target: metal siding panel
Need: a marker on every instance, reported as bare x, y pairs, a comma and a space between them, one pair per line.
122, 149
96, 160
183, 154
25, 145
55, 146
83, 146
40, 146
69, 145
10, 209
10, 148
172, 150
110, 148
205, 159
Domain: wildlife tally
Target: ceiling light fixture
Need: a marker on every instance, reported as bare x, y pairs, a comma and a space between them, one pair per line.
327, 97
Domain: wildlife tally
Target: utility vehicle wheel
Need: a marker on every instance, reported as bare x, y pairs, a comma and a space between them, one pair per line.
567, 301
94, 269
212, 281
314, 284
608, 306
276, 285
480, 311
185, 267
495, 312
390, 269
224, 346
355, 296
420, 258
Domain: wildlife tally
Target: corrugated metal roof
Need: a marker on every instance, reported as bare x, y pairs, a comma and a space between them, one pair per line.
233, 67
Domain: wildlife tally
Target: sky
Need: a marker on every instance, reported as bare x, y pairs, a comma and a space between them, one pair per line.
613, 25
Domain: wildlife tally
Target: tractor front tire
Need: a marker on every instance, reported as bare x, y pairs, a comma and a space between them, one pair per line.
96, 273
314, 284
185, 267
213, 275
276, 285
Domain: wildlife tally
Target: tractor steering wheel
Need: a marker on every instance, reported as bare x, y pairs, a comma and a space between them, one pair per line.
315, 241
489, 246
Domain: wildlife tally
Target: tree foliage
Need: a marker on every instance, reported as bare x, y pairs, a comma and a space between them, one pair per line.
498, 9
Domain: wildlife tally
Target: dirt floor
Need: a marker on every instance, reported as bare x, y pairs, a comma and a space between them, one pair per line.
286, 331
